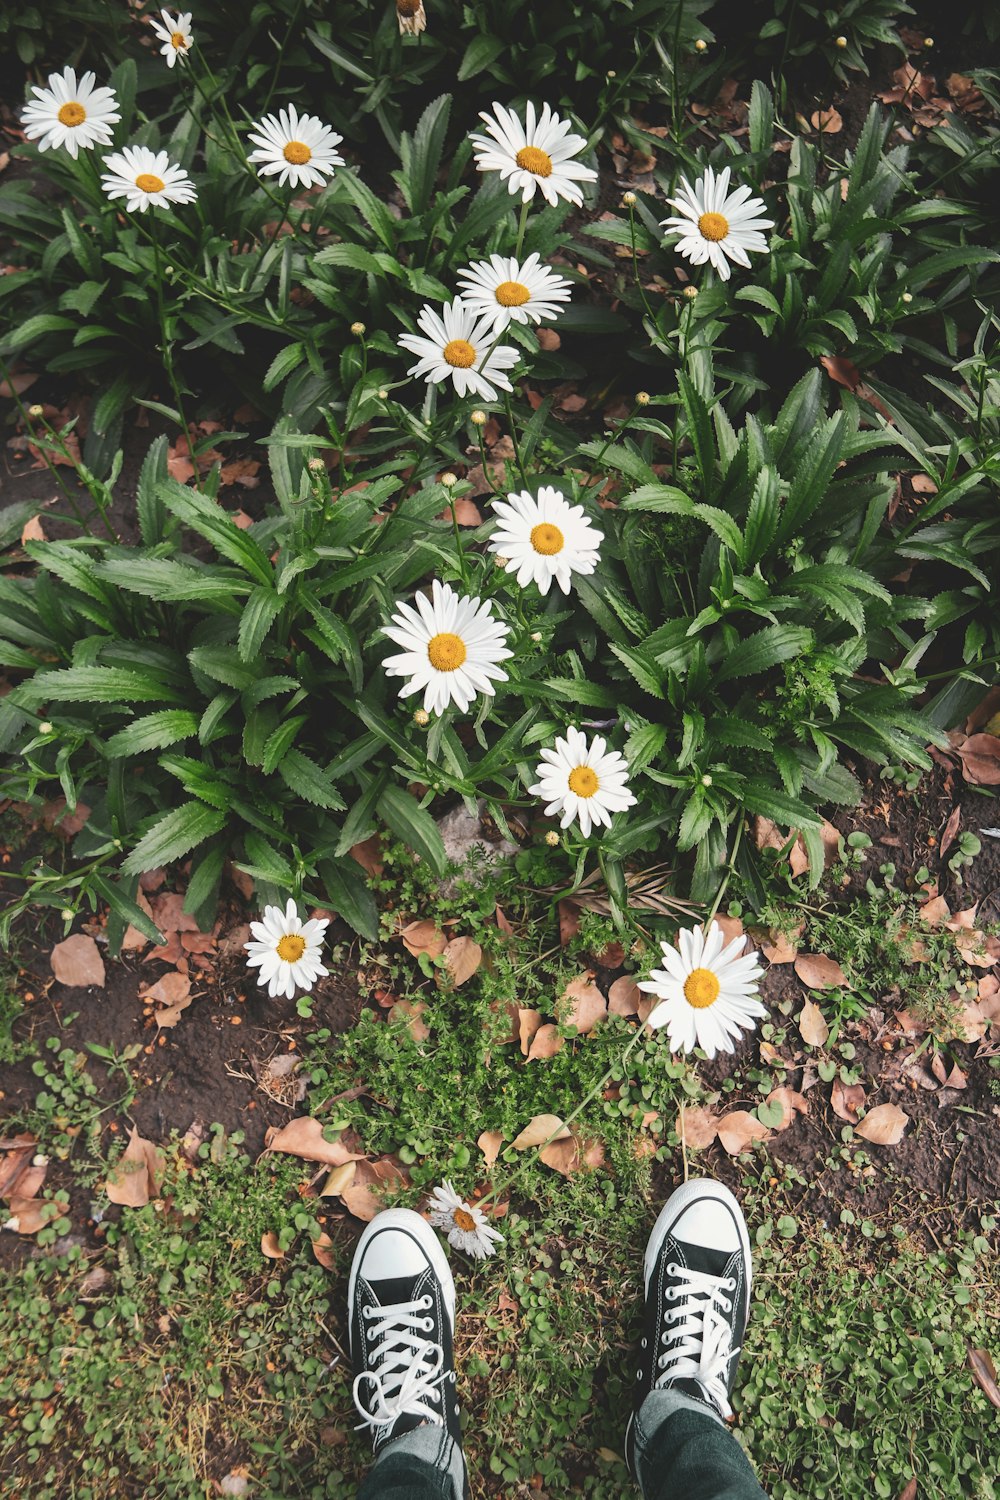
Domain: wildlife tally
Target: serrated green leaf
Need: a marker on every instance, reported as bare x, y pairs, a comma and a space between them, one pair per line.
173, 836
309, 781
153, 732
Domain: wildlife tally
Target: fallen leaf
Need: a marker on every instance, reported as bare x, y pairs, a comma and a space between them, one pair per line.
571, 1154
29, 1215
971, 1023
586, 1005
847, 1100
624, 996
985, 1375
339, 1179
270, 1247
791, 1103
819, 972
935, 912
812, 1025
910, 1491
304, 1137
169, 990
980, 756
697, 1127
950, 830
780, 949
134, 939
538, 1130
16, 1153
361, 1202
490, 1143
569, 922
731, 928
423, 937
322, 1248
463, 956
528, 1022
137, 1174
32, 530
77, 961
546, 1042
884, 1125
411, 1011
827, 121
369, 855
737, 1131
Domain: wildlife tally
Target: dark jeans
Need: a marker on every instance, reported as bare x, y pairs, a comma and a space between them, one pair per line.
689, 1457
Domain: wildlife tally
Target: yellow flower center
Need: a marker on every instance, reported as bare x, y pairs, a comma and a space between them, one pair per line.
583, 781
178, 41
72, 114
701, 989
148, 182
512, 294
530, 159
713, 227
460, 353
291, 947
463, 1219
297, 152
446, 652
547, 539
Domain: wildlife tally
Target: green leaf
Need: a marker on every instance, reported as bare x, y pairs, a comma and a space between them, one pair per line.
788, 812
763, 650
153, 732
264, 862
309, 781
347, 893
761, 121
222, 663
95, 685
208, 518
259, 614
125, 906
279, 741
642, 669
174, 582
149, 502
284, 362
414, 825
422, 156
173, 836
480, 52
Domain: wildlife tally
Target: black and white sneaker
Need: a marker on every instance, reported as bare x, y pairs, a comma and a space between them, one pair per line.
697, 1279
401, 1305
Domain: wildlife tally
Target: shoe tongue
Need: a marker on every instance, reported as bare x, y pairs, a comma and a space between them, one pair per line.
702, 1258
394, 1290
691, 1387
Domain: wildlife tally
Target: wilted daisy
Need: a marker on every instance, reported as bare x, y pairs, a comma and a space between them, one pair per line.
511, 291
452, 647
536, 155
300, 148
176, 35
715, 223
582, 781
146, 179
456, 347
70, 113
287, 950
464, 1225
543, 538
411, 16
707, 991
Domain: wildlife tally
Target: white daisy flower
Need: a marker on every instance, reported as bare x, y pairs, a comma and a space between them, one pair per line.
464, 1224
411, 16
299, 147
287, 950
511, 291
581, 781
715, 223
452, 647
147, 179
70, 113
176, 35
536, 155
543, 538
707, 991
456, 347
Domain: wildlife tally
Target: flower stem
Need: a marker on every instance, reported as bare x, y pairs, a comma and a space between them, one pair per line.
513, 437
726, 877
521, 227
635, 265
167, 345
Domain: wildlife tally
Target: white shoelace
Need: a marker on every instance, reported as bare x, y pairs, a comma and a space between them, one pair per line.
405, 1368
696, 1336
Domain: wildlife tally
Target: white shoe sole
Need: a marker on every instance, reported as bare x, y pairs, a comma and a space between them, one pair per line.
700, 1187
405, 1218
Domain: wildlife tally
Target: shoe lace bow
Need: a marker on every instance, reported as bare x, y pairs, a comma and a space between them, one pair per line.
405, 1368
697, 1334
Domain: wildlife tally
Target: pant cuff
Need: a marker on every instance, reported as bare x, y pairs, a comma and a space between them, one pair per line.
432, 1445
657, 1407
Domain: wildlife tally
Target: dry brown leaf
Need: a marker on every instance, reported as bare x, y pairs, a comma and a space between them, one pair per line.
134, 939
569, 922
985, 1375
463, 956
16, 1154
827, 121
369, 855
322, 1248
848, 1100
812, 1025
339, 1179
29, 1215
411, 1011
697, 1126
971, 1023
909, 1492
732, 928
490, 1143
423, 937
571, 1154
624, 997
360, 1201
884, 1125
935, 912
137, 1174
538, 1130
977, 948
792, 1103
582, 1005
32, 530
819, 972
546, 1042
980, 756
270, 1247
304, 1137
780, 950
528, 1022
737, 1131
77, 961
171, 989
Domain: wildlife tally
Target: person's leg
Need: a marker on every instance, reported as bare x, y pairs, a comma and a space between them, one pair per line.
401, 1305
697, 1280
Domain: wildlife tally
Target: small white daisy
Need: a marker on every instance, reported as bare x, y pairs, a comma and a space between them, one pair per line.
287, 950
457, 347
582, 781
70, 113
452, 647
543, 537
715, 223
299, 147
176, 35
707, 991
511, 291
537, 155
464, 1224
147, 179
411, 16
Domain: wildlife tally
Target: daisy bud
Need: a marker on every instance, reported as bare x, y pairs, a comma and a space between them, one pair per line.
706, 780
421, 718
611, 73
449, 480
45, 727
701, 45
691, 291
629, 200
642, 398
552, 839
478, 418
383, 395
907, 296
67, 915
316, 464
928, 41
536, 636
357, 329
840, 41
40, 1160
36, 410
501, 561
